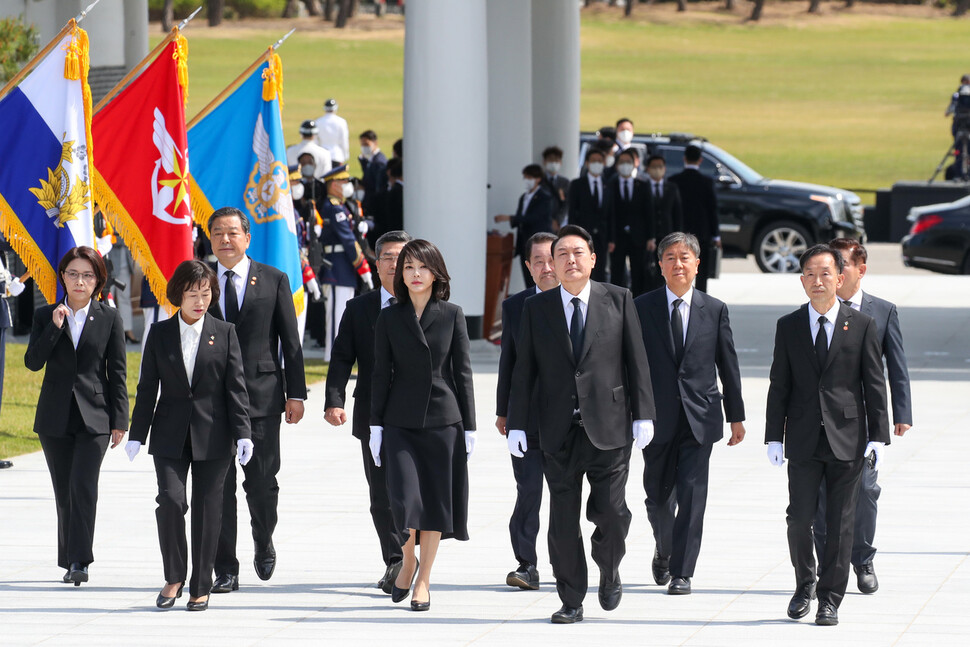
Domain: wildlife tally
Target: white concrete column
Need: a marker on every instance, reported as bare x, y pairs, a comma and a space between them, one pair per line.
446, 140
555, 79
136, 31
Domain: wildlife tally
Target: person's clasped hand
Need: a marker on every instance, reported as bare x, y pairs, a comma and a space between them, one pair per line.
470, 438
642, 433
376, 438
776, 453
518, 444
244, 450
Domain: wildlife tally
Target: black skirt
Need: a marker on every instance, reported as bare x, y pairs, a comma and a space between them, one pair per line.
427, 479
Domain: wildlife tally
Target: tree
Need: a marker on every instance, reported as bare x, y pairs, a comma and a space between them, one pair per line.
215, 12
292, 9
962, 7
628, 9
681, 5
756, 12
346, 6
813, 6
729, 5
168, 15
18, 44
328, 10
849, 4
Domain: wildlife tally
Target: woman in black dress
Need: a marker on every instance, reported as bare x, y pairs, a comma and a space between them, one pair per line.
423, 410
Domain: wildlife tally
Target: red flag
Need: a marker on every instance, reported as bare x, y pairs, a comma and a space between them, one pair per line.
141, 181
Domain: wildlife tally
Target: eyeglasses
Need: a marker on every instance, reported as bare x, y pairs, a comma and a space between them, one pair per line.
87, 277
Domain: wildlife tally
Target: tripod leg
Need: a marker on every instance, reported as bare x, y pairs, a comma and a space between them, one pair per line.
939, 166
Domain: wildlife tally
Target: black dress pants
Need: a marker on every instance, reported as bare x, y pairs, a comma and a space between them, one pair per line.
389, 535
74, 461
675, 477
208, 481
524, 523
626, 248
864, 535
841, 480
262, 494
607, 472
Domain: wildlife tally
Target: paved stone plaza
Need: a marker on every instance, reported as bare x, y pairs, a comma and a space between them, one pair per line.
329, 559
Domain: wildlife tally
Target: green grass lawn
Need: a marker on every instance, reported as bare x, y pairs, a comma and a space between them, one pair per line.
21, 388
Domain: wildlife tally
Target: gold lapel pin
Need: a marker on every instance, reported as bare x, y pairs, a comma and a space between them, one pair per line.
211, 343
252, 281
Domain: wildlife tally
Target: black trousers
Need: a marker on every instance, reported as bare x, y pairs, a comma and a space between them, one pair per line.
675, 477
208, 482
389, 535
626, 248
653, 279
529, 283
865, 518
74, 461
607, 472
524, 523
262, 494
841, 479
704, 269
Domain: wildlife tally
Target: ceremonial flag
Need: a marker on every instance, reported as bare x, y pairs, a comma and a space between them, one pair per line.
45, 148
240, 161
142, 172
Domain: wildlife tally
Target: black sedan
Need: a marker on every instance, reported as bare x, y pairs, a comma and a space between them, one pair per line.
939, 239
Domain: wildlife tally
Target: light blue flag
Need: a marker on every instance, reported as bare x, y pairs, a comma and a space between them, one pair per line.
239, 160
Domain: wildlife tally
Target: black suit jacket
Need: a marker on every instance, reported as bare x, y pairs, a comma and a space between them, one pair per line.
699, 201
374, 178
588, 213
213, 410
668, 214
389, 215
537, 217
891, 343
693, 384
844, 394
93, 374
267, 323
422, 370
354, 343
554, 185
635, 212
611, 380
511, 318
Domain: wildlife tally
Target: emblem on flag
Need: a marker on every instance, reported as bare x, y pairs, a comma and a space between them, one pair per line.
269, 182
61, 197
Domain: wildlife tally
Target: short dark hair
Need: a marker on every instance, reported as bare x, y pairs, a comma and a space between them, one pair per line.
552, 151
607, 132
396, 236
395, 168
398, 148
187, 275
692, 154
850, 248
90, 255
682, 238
656, 157
537, 239
533, 170
594, 150
574, 230
425, 252
818, 250
368, 134
623, 120
629, 152
229, 212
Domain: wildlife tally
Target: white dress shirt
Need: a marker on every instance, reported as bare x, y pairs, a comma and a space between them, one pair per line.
657, 188
385, 297
567, 303
683, 309
76, 321
241, 271
830, 318
855, 301
190, 334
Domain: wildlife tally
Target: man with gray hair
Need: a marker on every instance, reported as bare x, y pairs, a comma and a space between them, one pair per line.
355, 343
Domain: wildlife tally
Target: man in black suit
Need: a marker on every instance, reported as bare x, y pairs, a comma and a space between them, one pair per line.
666, 212
355, 344
556, 183
891, 344
12, 285
534, 214
700, 210
688, 339
373, 166
588, 207
630, 223
581, 349
826, 409
524, 446
256, 298
389, 214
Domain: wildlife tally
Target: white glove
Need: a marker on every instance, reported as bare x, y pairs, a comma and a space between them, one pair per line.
776, 453
297, 190
15, 287
376, 438
313, 287
518, 444
368, 281
877, 447
470, 437
642, 433
132, 447
318, 229
103, 245
244, 450
363, 227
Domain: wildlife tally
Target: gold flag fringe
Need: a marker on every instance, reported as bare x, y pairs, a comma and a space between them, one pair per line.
40, 268
273, 79
181, 56
201, 207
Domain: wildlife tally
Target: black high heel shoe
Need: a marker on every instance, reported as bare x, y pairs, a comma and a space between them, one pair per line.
198, 606
399, 594
78, 574
163, 602
421, 606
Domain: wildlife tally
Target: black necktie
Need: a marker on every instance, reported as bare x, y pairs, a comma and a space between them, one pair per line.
596, 193
629, 190
848, 304
576, 329
656, 190
232, 302
392, 301
821, 343
677, 328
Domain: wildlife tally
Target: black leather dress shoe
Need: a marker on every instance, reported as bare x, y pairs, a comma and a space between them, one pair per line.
801, 602
525, 577
827, 615
866, 578
198, 606
399, 594
568, 615
163, 602
225, 584
661, 568
5, 465
265, 561
78, 574
67, 577
421, 606
386, 583
679, 586
611, 591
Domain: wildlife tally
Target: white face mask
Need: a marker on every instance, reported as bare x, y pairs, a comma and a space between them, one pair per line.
528, 183
307, 170
625, 169
366, 151
553, 167
656, 173
348, 190
595, 168
624, 136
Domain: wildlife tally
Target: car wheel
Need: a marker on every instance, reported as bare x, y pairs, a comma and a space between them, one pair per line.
779, 245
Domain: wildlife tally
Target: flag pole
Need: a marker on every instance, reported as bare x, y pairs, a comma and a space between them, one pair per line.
151, 56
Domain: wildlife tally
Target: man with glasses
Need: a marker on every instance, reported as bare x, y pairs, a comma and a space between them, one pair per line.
355, 343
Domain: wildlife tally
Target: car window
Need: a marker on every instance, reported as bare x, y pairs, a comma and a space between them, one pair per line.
673, 158
710, 167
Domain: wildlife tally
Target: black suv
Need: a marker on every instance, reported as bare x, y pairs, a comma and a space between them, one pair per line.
776, 220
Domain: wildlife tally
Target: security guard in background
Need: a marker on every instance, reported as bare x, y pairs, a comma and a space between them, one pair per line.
341, 249
12, 285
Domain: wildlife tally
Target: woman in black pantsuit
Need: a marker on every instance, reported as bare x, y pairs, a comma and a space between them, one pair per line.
202, 410
82, 401
423, 408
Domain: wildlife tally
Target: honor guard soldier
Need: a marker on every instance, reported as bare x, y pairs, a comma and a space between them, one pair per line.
341, 250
